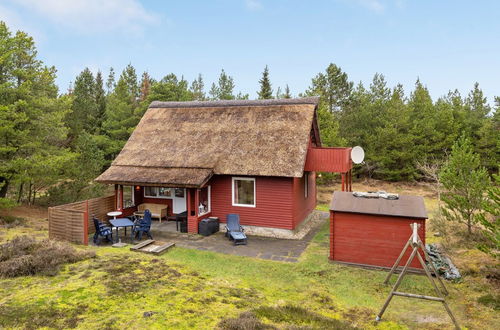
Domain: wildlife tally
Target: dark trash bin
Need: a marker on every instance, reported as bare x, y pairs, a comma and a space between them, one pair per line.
204, 227
213, 224
208, 226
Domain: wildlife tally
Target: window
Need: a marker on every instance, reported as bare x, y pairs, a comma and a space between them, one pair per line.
179, 192
204, 206
158, 192
306, 184
243, 190
164, 192
128, 196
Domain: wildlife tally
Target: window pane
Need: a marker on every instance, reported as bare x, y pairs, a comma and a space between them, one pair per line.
164, 192
128, 196
179, 192
204, 206
243, 190
150, 191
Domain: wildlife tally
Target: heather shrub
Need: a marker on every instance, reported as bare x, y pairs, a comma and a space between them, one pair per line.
25, 255
9, 221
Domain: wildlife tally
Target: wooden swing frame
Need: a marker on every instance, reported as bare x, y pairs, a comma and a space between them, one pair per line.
415, 242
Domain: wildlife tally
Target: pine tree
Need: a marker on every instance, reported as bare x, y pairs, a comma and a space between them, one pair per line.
110, 83
265, 91
145, 86
287, 94
130, 83
122, 113
84, 111
100, 99
197, 88
465, 182
490, 219
31, 119
333, 87
170, 88
224, 89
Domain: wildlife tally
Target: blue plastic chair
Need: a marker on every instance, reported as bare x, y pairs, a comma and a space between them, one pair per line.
143, 226
234, 231
101, 230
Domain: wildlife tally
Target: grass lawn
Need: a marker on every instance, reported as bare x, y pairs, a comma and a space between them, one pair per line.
197, 289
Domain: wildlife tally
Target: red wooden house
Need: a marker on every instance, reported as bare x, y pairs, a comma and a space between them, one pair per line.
254, 158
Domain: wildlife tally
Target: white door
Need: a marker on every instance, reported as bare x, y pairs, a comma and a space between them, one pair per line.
179, 200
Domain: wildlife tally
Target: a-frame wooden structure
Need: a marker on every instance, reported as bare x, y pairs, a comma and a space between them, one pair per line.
416, 243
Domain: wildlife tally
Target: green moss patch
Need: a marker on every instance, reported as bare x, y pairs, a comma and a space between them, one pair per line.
38, 314
490, 300
282, 317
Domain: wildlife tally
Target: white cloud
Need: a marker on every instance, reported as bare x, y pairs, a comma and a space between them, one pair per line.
253, 4
89, 16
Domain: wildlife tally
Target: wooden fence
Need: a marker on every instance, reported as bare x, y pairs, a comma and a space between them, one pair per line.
73, 222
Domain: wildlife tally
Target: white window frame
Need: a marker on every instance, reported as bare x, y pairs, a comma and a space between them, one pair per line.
209, 202
234, 178
306, 184
158, 192
132, 188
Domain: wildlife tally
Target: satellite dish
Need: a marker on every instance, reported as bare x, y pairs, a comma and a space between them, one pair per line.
357, 155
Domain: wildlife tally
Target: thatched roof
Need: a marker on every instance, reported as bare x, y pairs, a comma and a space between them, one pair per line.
184, 143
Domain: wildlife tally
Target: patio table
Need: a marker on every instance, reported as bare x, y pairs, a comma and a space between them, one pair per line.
114, 214
121, 222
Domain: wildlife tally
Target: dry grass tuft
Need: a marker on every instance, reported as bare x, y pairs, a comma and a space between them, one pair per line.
9, 221
25, 255
245, 321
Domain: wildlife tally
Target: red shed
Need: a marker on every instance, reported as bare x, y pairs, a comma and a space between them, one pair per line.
373, 231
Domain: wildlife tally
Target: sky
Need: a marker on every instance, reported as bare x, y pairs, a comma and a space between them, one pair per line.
446, 44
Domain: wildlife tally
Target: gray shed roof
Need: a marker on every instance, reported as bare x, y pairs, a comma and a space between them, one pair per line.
406, 206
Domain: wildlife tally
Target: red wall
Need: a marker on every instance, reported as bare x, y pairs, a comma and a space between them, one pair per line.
303, 206
371, 239
274, 202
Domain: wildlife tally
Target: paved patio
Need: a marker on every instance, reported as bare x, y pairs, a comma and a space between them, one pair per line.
267, 248
257, 247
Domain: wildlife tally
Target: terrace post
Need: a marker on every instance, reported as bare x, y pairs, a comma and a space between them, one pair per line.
193, 219
120, 198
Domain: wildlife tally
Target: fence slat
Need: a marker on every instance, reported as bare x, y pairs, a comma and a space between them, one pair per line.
66, 222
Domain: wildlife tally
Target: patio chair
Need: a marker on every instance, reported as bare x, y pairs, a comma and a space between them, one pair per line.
142, 226
101, 230
234, 231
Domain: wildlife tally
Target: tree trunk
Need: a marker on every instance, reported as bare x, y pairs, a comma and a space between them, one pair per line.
4, 183
469, 226
34, 196
29, 193
20, 194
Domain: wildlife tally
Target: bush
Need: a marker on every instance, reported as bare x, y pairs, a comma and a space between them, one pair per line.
25, 255
10, 221
69, 192
246, 321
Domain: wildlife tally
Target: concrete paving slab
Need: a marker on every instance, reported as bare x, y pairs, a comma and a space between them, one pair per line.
287, 250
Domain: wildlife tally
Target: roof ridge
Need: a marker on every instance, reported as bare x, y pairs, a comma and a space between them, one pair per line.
232, 103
